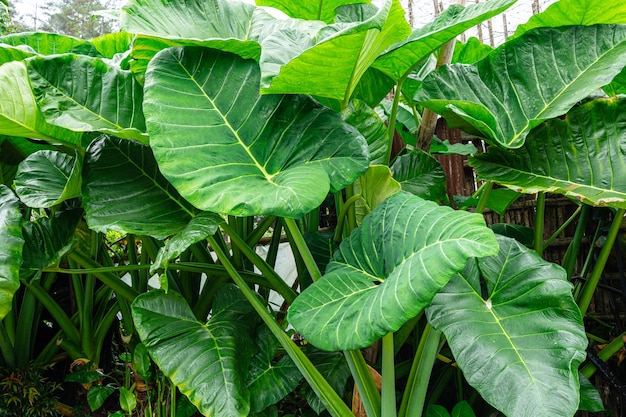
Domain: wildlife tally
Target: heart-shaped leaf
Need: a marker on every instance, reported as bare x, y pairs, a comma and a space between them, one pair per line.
388, 270
207, 362
47, 178
47, 239
375, 186
11, 243
295, 61
581, 156
577, 12
45, 43
199, 228
537, 76
324, 10
371, 126
399, 60
19, 114
420, 174
124, 191
270, 381
228, 149
519, 344
225, 25
86, 94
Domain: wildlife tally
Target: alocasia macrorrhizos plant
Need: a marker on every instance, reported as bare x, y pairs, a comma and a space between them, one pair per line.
205, 114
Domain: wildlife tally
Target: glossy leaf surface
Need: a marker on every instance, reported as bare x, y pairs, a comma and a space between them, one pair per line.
11, 243
376, 185
46, 178
47, 239
226, 25
88, 94
296, 61
577, 12
521, 343
420, 174
199, 228
323, 10
401, 58
371, 126
581, 156
387, 271
207, 362
50, 43
124, 191
228, 149
535, 77
270, 381
19, 114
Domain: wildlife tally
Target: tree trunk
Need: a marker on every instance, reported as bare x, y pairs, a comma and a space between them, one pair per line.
429, 118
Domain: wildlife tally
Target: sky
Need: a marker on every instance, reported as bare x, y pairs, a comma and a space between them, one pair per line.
423, 13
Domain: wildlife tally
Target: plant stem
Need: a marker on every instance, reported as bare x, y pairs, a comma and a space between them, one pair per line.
605, 354
562, 227
303, 249
342, 216
569, 259
539, 222
334, 404
590, 286
274, 279
484, 196
109, 279
364, 382
388, 400
391, 128
415, 394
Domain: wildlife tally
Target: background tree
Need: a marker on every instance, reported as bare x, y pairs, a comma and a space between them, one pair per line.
77, 18
8, 19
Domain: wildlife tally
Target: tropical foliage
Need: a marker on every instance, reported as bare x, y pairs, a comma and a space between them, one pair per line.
141, 170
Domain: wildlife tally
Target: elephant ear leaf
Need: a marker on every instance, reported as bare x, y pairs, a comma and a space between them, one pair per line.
568, 156
207, 362
553, 69
515, 331
11, 243
387, 271
228, 149
87, 94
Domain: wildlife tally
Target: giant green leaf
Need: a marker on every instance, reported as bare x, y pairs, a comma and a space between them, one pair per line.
388, 270
226, 25
398, 61
323, 10
19, 114
372, 127
11, 242
198, 229
10, 53
270, 380
374, 187
207, 362
50, 43
334, 369
331, 62
577, 12
535, 77
111, 44
581, 155
228, 149
515, 331
46, 239
124, 191
47, 178
87, 94
420, 174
